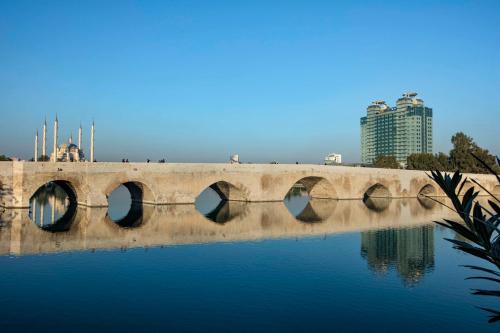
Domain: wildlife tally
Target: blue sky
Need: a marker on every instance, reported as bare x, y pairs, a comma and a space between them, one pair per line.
270, 80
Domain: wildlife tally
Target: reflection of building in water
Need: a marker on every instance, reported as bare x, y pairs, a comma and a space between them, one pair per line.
48, 204
410, 251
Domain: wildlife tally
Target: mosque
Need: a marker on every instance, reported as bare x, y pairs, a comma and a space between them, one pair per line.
65, 152
68, 152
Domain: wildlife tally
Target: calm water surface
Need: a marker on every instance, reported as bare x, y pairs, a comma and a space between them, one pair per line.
300, 265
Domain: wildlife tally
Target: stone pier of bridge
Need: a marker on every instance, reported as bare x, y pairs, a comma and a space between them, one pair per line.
90, 184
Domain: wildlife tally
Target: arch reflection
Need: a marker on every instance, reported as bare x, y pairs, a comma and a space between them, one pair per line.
91, 228
53, 207
317, 210
226, 211
133, 218
426, 203
305, 208
377, 204
126, 208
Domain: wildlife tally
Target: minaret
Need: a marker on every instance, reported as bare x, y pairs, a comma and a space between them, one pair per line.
80, 137
70, 141
44, 139
92, 143
56, 127
36, 147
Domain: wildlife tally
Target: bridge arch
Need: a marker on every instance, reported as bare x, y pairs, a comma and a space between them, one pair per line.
377, 191
139, 191
128, 212
316, 187
467, 184
68, 187
58, 199
427, 190
227, 191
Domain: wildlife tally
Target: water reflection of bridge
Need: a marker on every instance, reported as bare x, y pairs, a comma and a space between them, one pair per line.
91, 228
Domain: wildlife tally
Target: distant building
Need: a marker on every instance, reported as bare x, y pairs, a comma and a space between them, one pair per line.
235, 159
68, 152
333, 159
396, 131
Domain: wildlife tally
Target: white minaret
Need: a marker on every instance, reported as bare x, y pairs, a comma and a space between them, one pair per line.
44, 139
36, 147
56, 127
80, 137
92, 143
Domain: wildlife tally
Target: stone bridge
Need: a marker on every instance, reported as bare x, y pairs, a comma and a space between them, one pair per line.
89, 184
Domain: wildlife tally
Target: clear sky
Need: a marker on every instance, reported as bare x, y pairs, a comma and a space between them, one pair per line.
270, 80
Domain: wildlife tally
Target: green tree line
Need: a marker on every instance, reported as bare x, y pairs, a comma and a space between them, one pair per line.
460, 158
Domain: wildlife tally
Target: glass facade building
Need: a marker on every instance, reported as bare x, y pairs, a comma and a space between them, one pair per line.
396, 131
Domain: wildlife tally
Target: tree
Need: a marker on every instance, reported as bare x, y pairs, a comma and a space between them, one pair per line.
426, 161
4, 158
444, 161
387, 162
422, 162
461, 158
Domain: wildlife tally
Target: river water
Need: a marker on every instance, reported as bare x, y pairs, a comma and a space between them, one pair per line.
299, 265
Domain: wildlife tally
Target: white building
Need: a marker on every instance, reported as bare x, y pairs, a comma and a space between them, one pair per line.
333, 159
68, 152
235, 159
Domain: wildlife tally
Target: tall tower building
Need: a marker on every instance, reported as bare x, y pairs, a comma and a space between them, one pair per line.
44, 139
35, 158
80, 137
396, 131
54, 150
92, 131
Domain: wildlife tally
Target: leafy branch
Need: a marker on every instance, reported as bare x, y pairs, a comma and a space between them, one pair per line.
479, 225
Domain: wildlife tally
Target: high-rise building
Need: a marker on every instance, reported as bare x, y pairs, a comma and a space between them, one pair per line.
396, 131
